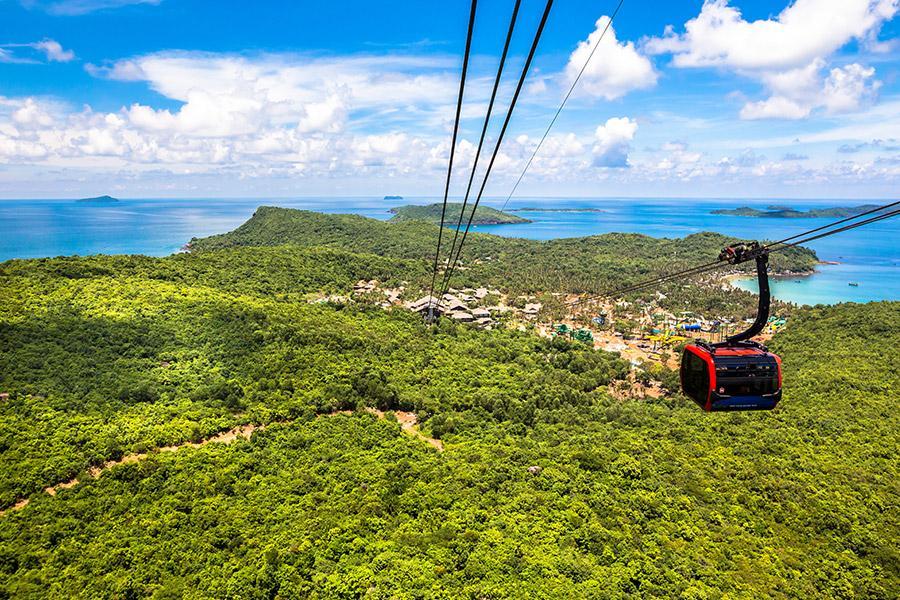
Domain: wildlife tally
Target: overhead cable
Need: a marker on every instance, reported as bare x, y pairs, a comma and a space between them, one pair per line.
484, 128
563, 103
462, 87
509, 113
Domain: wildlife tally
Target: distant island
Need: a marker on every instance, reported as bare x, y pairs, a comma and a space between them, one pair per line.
393, 197
99, 200
783, 212
560, 210
432, 214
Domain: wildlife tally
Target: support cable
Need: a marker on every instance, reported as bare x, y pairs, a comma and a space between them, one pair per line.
484, 128
563, 104
509, 112
462, 87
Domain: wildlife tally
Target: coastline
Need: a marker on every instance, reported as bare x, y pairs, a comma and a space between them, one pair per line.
731, 278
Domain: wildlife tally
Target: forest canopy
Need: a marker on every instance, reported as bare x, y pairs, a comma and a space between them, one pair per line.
548, 484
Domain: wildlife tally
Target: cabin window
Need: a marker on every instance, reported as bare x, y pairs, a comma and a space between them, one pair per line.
696, 376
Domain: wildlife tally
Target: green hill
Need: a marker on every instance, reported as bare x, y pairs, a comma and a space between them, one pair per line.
782, 212
485, 215
589, 264
103, 357
99, 200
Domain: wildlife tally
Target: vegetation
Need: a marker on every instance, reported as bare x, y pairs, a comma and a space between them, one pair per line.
549, 486
485, 215
790, 213
102, 357
592, 264
629, 498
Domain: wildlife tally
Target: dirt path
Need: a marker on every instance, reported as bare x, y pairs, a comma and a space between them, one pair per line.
408, 422
225, 437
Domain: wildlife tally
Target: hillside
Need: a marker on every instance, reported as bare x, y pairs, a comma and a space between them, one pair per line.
588, 264
431, 213
104, 357
99, 200
782, 212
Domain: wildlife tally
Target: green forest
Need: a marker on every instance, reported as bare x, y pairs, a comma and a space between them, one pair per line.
548, 486
433, 213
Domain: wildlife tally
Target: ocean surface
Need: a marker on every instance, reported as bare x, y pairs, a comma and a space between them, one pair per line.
869, 256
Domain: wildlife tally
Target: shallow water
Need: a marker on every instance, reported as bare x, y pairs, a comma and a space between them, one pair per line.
869, 255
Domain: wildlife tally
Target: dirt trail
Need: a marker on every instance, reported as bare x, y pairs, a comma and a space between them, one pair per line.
408, 422
225, 437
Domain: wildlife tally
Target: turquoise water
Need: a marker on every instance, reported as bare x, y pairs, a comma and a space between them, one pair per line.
869, 255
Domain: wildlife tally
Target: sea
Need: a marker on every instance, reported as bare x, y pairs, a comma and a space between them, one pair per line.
868, 257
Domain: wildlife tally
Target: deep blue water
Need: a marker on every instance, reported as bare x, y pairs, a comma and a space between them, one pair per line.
869, 256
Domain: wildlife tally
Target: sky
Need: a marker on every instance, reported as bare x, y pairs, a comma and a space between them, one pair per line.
205, 99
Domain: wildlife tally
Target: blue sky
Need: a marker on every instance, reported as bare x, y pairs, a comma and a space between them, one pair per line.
213, 99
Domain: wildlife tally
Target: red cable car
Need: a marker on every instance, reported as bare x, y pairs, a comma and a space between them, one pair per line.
737, 374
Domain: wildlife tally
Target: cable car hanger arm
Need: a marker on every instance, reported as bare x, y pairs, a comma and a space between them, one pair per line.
738, 254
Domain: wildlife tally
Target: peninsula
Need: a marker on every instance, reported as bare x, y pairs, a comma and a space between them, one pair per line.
783, 212
431, 213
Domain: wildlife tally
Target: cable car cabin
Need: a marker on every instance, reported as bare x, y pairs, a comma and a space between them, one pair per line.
731, 378
737, 374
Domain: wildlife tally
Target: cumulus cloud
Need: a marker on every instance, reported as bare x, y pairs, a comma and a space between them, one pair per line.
232, 95
615, 69
787, 53
802, 32
266, 113
796, 93
613, 142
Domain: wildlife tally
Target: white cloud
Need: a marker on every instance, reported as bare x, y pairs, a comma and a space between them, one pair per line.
30, 114
787, 54
81, 7
846, 88
253, 114
775, 107
53, 50
615, 69
802, 32
7, 57
613, 141
796, 93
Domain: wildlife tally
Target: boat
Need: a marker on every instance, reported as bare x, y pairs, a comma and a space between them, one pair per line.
853, 284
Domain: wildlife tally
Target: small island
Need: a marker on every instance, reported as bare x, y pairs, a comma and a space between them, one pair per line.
431, 213
393, 197
783, 212
99, 200
559, 210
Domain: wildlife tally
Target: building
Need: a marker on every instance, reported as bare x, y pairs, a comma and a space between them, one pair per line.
481, 313
421, 305
532, 309
451, 303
